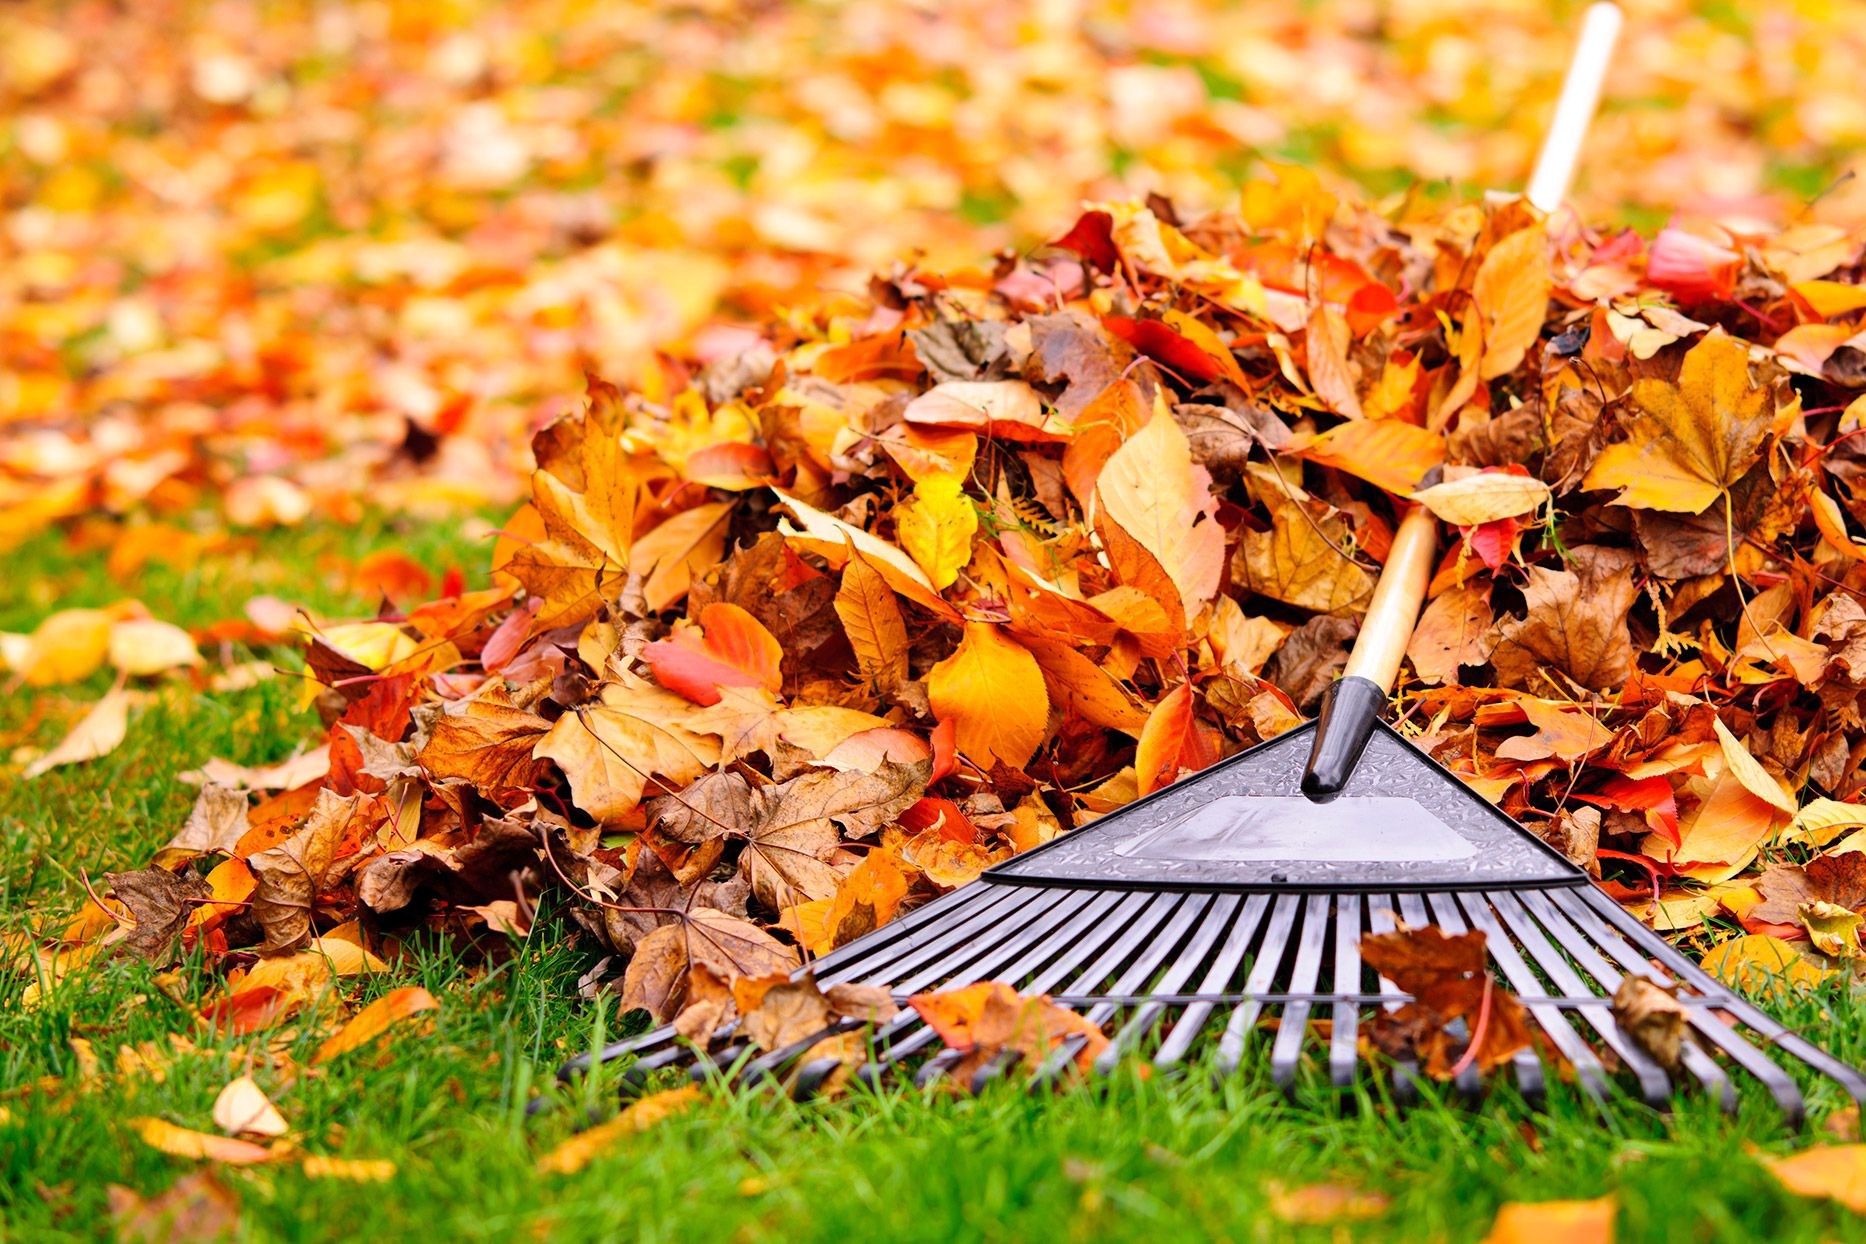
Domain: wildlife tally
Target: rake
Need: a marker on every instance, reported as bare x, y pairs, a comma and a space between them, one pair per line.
1231, 906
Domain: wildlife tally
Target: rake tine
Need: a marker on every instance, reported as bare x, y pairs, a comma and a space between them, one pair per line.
1286, 1050
1571, 926
1157, 947
1188, 961
937, 1068
1528, 1069
1779, 1084
1224, 968
1101, 919
1851, 1081
999, 919
1380, 918
958, 905
1056, 1062
1342, 1044
767, 1066
993, 1068
646, 1041
1468, 1081
1262, 975
1654, 1085
811, 1075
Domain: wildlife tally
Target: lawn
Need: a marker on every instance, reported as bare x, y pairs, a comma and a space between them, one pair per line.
449, 1106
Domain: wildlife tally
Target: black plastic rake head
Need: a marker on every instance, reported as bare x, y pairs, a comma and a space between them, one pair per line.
1221, 918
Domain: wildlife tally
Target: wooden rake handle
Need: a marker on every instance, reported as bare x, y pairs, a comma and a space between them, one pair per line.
1354, 702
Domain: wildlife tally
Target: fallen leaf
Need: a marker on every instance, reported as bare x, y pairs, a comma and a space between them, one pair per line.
195, 1209
585, 1147
1689, 442
1324, 1204
98, 733
1555, 1222
1575, 622
1833, 1172
183, 1143
355, 1170
992, 689
631, 735
1652, 1018
936, 526
373, 1021
243, 1109
1512, 293
729, 648
1150, 488
1449, 979
1173, 741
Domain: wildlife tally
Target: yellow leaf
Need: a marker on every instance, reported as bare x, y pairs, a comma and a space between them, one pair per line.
1690, 441
1757, 780
1483, 498
184, 1143
1831, 298
871, 618
1837, 1172
356, 1170
1512, 291
1149, 489
68, 646
1823, 820
1554, 1222
375, 1019
993, 692
1299, 560
97, 733
936, 526
143, 646
1756, 961
580, 1150
832, 538
1388, 452
609, 749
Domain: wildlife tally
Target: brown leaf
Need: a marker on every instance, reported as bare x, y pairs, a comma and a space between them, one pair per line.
871, 618
777, 1011
214, 824
486, 740
1457, 629
293, 875
717, 805
1449, 979
794, 829
1299, 561
185, 1143
1575, 623
657, 976
159, 903
195, 1209
1836, 879
1653, 1018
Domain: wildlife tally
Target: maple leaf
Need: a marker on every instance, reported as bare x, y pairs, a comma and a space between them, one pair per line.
632, 734
1449, 978
1575, 623
1689, 442
797, 825
992, 689
486, 740
1299, 561
728, 947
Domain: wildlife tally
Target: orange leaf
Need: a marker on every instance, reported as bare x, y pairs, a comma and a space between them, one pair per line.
732, 649
1554, 1222
375, 1019
184, 1143
1172, 741
992, 690
1387, 452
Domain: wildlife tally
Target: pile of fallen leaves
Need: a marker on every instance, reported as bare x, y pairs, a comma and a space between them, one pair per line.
820, 630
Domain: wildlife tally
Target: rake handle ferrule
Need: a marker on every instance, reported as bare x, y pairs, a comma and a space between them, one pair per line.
1355, 701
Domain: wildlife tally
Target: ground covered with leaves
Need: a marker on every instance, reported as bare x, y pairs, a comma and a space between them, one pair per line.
325, 846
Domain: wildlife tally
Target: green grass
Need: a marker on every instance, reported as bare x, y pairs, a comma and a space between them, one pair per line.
1134, 1159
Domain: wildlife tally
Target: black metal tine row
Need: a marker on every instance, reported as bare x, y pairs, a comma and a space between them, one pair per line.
1164, 973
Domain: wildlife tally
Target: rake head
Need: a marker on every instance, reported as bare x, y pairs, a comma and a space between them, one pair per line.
1195, 915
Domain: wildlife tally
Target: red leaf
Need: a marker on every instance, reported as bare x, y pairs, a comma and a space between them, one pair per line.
1492, 541
1092, 237
1692, 268
1650, 795
1165, 346
1170, 741
730, 648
